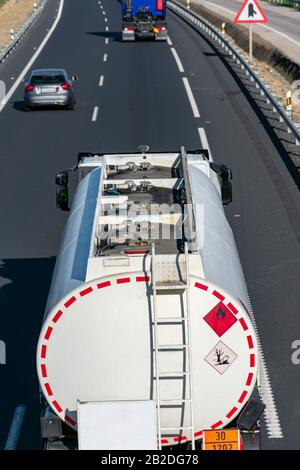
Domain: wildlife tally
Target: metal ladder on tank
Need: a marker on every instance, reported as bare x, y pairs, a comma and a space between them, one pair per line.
184, 322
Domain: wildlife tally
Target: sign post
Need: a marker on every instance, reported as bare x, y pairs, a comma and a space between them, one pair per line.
250, 12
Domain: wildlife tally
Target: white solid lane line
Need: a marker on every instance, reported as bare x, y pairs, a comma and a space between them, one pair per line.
177, 59
191, 97
105, 58
101, 81
204, 142
169, 41
95, 113
33, 58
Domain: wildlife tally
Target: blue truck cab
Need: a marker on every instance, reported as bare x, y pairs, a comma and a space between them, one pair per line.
144, 19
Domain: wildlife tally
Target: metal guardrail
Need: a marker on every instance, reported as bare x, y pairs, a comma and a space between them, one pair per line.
204, 26
4, 52
286, 3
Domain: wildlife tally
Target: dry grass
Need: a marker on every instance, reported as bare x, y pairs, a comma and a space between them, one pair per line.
13, 13
278, 84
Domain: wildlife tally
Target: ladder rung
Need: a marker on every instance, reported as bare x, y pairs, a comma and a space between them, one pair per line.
170, 287
172, 319
172, 346
178, 428
174, 400
165, 374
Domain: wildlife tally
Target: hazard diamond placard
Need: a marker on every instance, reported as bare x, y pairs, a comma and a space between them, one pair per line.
250, 12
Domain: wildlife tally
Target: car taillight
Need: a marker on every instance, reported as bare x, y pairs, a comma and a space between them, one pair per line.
128, 29
29, 87
66, 86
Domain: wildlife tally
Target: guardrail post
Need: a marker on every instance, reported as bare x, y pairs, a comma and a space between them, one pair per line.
289, 103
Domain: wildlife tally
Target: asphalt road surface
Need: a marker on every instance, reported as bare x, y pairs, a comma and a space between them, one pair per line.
141, 99
282, 29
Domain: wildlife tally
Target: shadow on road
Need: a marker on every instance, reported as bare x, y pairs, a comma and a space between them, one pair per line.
19, 106
115, 36
24, 285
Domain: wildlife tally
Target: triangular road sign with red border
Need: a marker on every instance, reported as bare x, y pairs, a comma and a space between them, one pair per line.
250, 12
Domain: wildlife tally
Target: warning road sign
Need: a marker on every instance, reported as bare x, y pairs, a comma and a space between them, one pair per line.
250, 12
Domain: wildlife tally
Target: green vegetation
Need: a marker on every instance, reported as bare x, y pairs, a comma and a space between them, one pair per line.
286, 3
2, 2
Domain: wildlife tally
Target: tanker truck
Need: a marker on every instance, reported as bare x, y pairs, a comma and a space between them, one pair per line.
147, 340
144, 19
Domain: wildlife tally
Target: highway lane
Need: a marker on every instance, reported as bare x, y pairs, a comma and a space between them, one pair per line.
282, 29
141, 99
262, 220
36, 145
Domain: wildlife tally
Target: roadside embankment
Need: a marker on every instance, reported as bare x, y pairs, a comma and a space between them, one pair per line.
277, 69
13, 14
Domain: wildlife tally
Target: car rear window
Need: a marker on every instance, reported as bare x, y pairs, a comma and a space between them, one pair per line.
47, 79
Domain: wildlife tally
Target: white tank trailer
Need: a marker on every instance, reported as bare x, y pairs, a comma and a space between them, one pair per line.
148, 313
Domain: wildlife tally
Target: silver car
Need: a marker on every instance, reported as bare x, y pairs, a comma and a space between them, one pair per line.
49, 87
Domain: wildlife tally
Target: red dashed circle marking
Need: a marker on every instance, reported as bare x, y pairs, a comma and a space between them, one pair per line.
44, 370
201, 286
250, 342
232, 308
249, 379
48, 389
57, 406
125, 280
143, 279
43, 351
70, 301
244, 324
218, 295
231, 412
48, 333
70, 420
217, 425
57, 316
84, 292
243, 396
101, 285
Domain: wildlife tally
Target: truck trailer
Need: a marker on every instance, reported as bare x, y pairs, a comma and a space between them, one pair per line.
147, 339
144, 19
